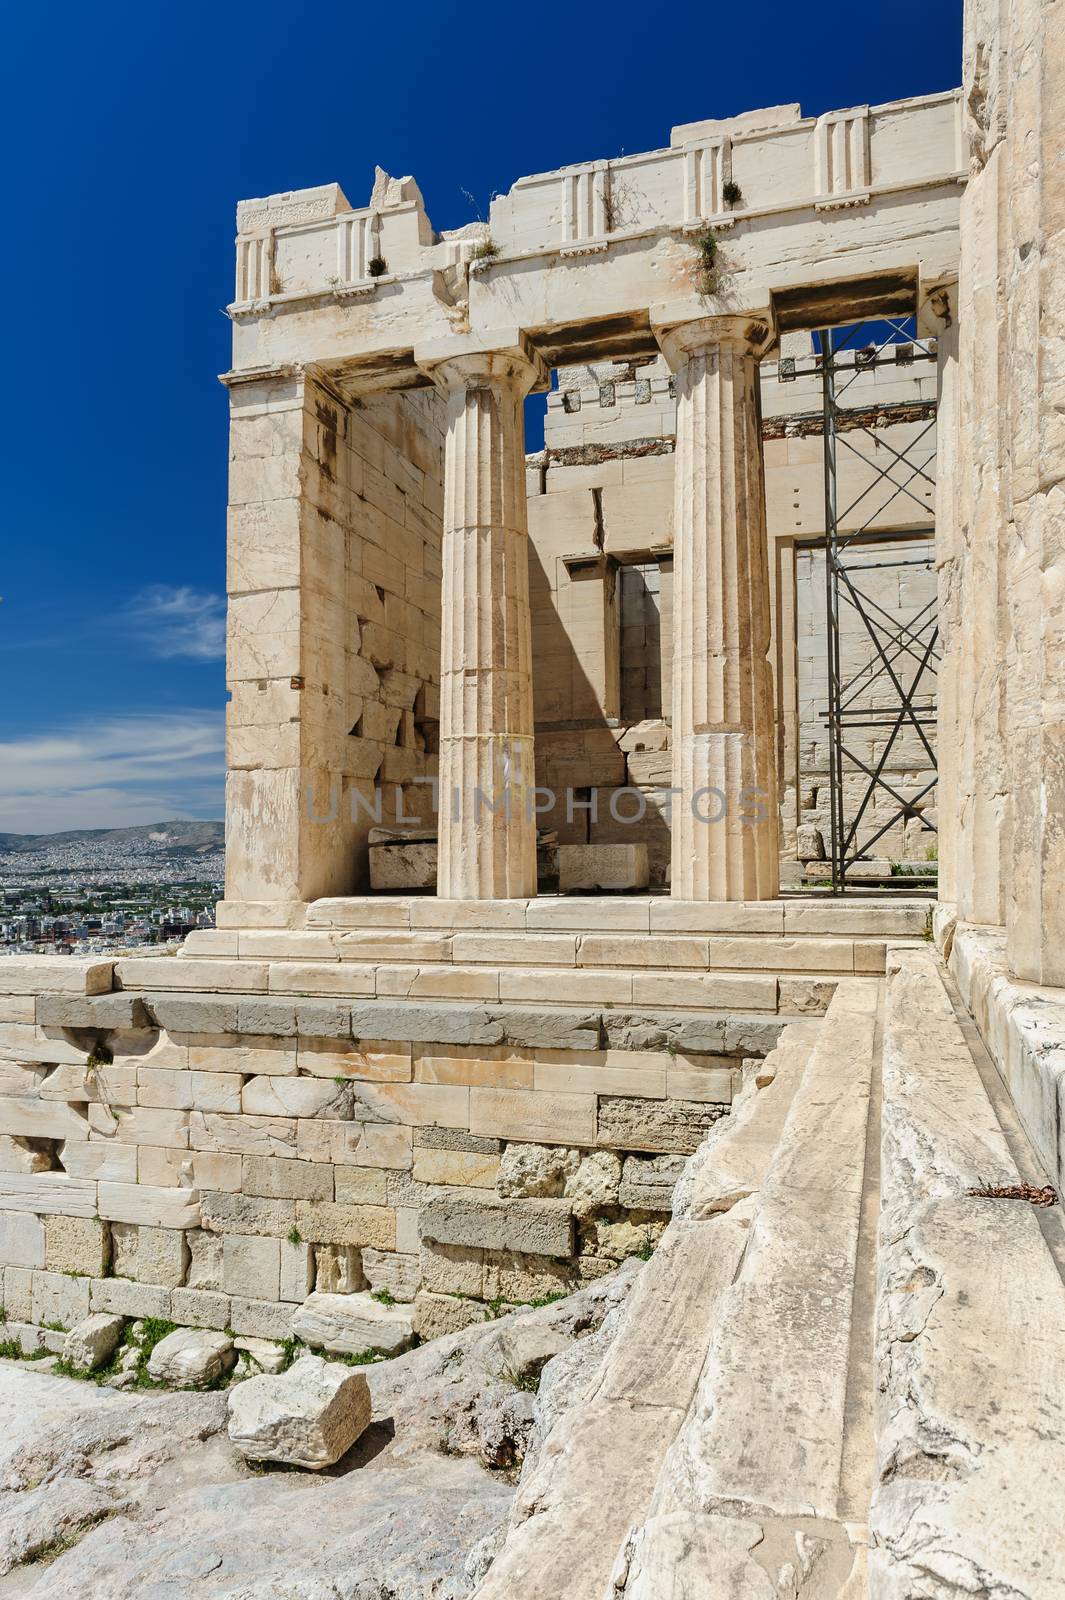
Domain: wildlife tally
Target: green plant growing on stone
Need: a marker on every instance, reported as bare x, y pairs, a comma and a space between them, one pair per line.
291, 1349
528, 1381
294, 1235
708, 264
384, 1297
98, 1056
646, 1247
731, 192
377, 267
485, 249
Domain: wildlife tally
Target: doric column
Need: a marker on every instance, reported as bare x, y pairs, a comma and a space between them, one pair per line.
487, 830
725, 824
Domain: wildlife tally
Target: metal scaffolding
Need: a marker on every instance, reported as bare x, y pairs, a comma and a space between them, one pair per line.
892, 690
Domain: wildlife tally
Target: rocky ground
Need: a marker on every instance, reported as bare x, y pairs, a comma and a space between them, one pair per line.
141, 1496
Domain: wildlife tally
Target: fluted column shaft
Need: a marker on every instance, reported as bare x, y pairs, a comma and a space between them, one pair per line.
725, 824
487, 830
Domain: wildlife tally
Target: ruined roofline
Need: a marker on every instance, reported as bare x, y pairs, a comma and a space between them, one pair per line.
301, 205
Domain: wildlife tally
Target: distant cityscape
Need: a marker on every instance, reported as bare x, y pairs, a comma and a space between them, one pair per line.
98, 891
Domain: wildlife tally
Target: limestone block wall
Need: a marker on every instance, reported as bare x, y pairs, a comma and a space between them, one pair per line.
1000, 580
334, 627
211, 1156
601, 517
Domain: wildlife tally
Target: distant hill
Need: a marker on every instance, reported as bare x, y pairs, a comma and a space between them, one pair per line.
189, 838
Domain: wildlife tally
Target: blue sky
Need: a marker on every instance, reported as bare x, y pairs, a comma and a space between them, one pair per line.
130, 132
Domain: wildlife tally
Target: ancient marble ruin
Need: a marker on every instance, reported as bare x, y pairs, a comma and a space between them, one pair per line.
693, 1228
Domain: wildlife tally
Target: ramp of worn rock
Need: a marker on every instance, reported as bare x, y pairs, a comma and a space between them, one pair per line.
970, 1342
596, 1473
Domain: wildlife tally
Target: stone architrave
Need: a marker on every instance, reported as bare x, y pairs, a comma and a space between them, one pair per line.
486, 827
724, 815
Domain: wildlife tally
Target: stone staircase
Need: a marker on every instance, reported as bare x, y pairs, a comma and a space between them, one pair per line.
817, 1391
645, 951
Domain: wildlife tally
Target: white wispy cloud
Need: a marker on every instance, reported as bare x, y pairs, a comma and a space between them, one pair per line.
118, 773
178, 621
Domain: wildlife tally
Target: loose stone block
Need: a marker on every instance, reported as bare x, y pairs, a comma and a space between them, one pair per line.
22, 1240
309, 1416
251, 1266
150, 1255
94, 1341
77, 1244
438, 1314
399, 867
266, 1353
200, 1308
323, 1223
588, 868
681, 1125
399, 1275
57, 1298
191, 1358
351, 1324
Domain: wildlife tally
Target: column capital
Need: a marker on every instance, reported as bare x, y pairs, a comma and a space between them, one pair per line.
750, 331
503, 357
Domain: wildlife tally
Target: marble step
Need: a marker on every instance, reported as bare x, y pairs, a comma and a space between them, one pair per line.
679, 952
653, 989
626, 914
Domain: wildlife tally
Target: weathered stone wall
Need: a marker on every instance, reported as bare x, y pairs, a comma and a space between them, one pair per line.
214, 1157
1001, 573
334, 627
